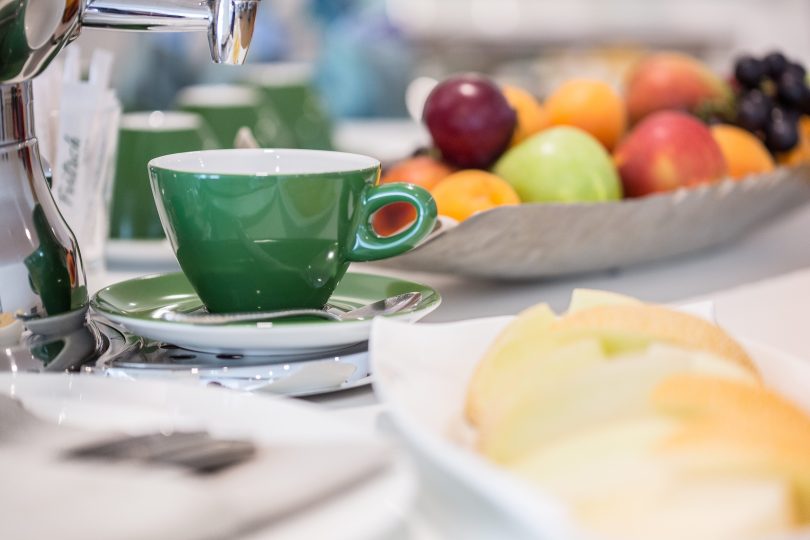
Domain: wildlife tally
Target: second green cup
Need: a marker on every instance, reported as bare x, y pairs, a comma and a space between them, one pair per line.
288, 90
142, 137
228, 107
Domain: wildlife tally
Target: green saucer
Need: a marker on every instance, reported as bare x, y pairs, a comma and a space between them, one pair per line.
139, 304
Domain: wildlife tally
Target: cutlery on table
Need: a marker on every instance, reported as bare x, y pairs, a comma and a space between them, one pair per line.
194, 450
386, 306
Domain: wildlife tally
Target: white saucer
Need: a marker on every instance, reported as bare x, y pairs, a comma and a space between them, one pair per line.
138, 305
131, 357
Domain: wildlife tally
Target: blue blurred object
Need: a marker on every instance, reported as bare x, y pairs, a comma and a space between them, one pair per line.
365, 63
151, 77
328, 10
363, 70
271, 39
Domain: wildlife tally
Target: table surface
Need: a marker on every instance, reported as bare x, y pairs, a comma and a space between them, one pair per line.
760, 286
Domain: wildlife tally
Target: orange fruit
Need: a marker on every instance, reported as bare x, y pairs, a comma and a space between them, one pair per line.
590, 105
801, 152
531, 116
744, 153
467, 192
424, 171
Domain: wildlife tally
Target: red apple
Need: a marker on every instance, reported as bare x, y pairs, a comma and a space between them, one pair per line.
672, 81
666, 151
424, 171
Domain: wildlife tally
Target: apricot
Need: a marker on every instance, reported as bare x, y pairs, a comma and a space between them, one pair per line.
424, 171
531, 115
590, 105
744, 153
470, 191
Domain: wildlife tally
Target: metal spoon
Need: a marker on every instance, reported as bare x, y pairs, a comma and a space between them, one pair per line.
387, 306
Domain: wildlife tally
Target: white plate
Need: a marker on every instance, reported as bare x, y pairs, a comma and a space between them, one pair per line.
386, 139
422, 372
365, 511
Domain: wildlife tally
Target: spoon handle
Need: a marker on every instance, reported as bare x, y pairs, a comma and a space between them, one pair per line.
225, 318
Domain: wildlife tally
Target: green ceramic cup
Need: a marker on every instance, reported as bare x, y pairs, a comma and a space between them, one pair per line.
276, 229
228, 107
288, 90
143, 136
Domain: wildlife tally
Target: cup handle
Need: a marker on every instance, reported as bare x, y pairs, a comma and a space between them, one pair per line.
368, 245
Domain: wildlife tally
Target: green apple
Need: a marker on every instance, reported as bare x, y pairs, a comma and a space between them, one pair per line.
561, 164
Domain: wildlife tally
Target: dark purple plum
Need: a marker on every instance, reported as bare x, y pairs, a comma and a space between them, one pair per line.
470, 120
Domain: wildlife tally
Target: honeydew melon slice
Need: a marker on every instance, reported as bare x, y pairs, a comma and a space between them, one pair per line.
601, 392
582, 299
738, 428
621, 327
517, 345
618, 483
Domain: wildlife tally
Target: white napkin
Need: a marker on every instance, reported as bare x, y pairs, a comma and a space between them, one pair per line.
44, 495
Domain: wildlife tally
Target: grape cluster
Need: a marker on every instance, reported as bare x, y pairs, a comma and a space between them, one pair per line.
773, 95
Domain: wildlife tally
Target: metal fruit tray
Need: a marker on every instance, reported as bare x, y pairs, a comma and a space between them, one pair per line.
543, 240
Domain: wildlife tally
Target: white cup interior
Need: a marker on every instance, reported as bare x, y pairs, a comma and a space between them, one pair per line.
264, 162
160, 121
218, 95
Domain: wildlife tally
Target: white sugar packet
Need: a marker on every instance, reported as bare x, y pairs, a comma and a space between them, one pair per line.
86, 145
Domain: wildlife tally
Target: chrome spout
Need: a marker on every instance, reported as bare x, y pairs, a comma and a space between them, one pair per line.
229, 22
147, 15
231, 30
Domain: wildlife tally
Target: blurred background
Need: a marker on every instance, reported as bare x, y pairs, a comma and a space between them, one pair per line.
365, 52
346, 74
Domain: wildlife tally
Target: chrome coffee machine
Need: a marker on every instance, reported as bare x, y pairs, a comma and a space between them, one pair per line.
42, 280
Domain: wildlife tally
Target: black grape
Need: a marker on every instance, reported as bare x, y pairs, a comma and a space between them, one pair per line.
781, 134
791, 89
775, 63
749, 71
794, 67
754, 110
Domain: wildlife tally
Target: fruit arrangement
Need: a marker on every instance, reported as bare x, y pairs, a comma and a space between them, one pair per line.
646, 422
676, 124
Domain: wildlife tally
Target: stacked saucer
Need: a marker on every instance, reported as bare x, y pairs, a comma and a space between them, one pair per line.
298, 357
